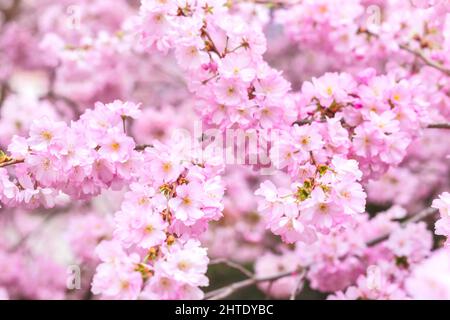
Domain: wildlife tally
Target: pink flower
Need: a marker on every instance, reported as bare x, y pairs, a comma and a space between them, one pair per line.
431, 279
351, 197
44, 133
125, 109
165, 169
307, 138
143, 228
116, 277
44, 166
289, 227
116, 147
187, 264
320, 210
443, 204
192, 55
237, 66
230, 92
329, 87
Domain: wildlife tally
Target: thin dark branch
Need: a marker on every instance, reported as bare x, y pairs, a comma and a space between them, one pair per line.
11, 162
233, 265
439, 126
142, 147
414, 218
425, 59
230, 289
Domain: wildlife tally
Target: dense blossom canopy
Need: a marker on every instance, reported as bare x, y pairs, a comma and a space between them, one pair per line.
303, 143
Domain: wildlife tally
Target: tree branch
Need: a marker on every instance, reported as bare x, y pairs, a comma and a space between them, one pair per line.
233, 265
439, 126
142, 147
425, 59
230, 289
139, 147
419, 54
11, 162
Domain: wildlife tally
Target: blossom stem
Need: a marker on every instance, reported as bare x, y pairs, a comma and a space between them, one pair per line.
11, 162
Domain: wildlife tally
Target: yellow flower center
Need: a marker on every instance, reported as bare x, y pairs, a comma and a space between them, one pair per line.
323, 207
183, 265
187, 201
46, 135
166, 167
115, 146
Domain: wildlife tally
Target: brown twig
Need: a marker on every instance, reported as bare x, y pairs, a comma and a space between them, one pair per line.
425, 59
142, 147
419, 54
233, 265
414, 218
230, 289
11, 162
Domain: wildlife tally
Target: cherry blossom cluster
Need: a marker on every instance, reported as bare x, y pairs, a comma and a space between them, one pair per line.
222, 57
366, 32
155, 252
350, 263
102, 197
327, 198
381, 114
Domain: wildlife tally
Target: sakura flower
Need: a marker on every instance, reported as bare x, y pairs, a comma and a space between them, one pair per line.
237, 65
116, 277
45, 132
442, 226
230, 92
145, 229
188, 264
307, 138
191, 56
430, 279
320, 210
116, 147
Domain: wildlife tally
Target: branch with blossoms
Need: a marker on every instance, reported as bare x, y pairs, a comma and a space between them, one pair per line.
330, 144
425, 59
297, 277
426, 213
416, 52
